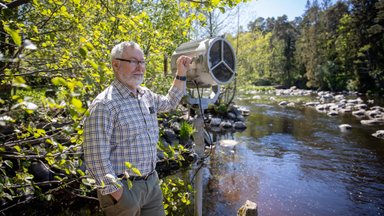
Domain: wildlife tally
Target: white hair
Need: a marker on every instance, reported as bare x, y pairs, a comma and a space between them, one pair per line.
118, 50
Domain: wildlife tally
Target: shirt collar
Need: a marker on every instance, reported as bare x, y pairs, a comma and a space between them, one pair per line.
124, 90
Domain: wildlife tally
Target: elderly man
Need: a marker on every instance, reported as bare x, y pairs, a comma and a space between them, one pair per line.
122, 127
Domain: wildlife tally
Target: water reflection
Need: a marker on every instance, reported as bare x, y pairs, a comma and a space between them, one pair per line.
297, 162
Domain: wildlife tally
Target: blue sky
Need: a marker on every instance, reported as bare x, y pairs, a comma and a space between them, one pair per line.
268, 8
275, 8
265, 8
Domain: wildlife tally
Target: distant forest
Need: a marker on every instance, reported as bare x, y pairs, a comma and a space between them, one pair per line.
330, 47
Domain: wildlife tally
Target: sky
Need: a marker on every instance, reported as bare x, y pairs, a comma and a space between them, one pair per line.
275, 8
269, 8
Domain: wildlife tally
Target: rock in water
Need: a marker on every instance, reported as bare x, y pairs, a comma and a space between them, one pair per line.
248, 209
379, 134
239, 125
345, 127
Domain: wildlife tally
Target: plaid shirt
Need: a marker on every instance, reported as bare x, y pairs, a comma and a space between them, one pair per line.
122, 127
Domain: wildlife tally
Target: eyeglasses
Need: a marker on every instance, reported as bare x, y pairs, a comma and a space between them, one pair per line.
134, 63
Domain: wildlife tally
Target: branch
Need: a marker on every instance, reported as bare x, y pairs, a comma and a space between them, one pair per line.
16, 3
48, 192
199, 2
37, 184
39, 71
81, 196
20, 156
32, 140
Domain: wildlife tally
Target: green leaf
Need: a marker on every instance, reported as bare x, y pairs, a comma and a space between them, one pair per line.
14, 35
18, 149
19, 82
94, 65
77, 103
83, 51
136, 171
7, 195
88, 181
129, 184
59, 81
8, 163
80, 172
128, 165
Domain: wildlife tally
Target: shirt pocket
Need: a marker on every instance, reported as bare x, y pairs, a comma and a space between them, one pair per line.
129, 125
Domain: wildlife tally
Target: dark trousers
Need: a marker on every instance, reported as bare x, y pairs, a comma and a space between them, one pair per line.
144, 198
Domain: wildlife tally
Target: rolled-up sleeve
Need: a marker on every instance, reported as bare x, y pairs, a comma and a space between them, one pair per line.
170, 101
98, 129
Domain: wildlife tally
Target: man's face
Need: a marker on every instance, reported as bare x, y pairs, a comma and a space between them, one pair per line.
130, 73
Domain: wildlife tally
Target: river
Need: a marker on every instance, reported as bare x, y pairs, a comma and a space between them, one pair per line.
296, 161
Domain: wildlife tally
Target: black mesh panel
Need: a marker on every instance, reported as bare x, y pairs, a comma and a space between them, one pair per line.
215, 53
222, 73
228, 56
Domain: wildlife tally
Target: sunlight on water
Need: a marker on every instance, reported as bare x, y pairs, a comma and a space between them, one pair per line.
297, 162
228, 143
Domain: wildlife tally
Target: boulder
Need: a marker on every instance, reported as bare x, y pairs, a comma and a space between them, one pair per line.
283, 103
291, 104
339, 97
244, 111
359, 113
375, 121
379, 134
215, 122
332, 113
40, 171
248, 209
312, 104
381, 109
240, 117
239, 125
361, 106
345, 127
169, 135
176, 127
346, 109
321, 108
372, 113
225, 124
231, 115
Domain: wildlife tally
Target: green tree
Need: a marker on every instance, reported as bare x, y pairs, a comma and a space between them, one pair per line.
54, 59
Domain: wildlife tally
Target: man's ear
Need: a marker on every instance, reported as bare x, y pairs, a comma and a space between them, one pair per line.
115, 64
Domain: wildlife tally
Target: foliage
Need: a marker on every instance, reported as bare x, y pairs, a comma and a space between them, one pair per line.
177, 196
186, 131
172, 152
54, 60
331, 46
262, 82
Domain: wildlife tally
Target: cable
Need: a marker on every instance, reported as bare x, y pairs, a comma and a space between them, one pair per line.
198, 94
202, 159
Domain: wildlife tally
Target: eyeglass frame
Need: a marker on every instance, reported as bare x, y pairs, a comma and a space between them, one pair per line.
131, 61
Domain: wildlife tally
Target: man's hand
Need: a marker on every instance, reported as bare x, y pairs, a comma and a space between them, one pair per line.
183, 63
117, 194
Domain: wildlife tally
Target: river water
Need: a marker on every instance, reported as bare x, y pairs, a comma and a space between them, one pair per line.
296, 161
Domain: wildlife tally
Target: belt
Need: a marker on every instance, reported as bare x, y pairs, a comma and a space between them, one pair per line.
136, 178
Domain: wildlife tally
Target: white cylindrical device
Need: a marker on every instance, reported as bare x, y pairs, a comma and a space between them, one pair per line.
214, 62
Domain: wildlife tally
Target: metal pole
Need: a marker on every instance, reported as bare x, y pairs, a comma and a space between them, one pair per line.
198, 136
